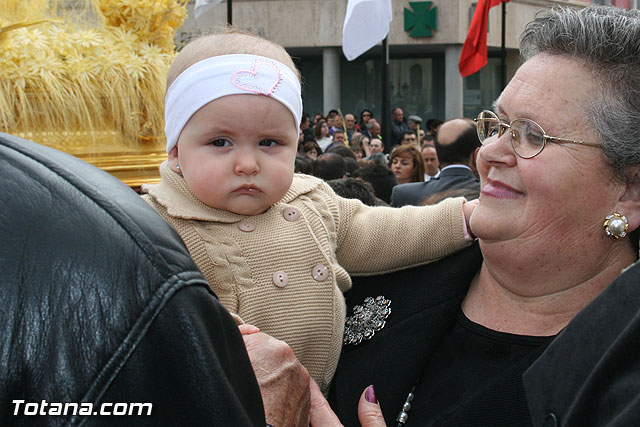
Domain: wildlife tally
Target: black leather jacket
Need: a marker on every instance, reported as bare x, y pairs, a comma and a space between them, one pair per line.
101, 303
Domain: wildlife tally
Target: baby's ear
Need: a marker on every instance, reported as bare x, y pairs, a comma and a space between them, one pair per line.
629, 203
174, 161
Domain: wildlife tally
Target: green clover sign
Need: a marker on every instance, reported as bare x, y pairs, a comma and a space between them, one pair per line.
421, 20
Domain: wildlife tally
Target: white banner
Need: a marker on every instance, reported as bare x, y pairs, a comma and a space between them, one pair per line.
203, 6
365, 25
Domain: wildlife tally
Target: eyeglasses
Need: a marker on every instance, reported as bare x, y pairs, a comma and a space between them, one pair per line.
527, 137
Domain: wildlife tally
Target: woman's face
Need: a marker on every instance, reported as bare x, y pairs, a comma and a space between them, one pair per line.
557, 200
324, 130
312, 153
402, 167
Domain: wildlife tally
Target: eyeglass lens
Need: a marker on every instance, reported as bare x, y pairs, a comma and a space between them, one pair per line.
488, 125
527, 137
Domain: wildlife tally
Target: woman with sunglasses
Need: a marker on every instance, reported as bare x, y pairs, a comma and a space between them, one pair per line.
526, 327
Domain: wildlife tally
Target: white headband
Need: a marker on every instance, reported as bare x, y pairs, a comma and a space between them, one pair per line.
224, 75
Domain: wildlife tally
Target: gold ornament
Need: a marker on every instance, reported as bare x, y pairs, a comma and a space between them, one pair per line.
88, 77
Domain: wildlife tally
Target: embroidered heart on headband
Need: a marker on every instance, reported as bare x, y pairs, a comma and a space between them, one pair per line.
263, 77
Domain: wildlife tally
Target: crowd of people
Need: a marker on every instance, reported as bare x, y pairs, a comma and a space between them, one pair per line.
519, 308
360, 134
341, 147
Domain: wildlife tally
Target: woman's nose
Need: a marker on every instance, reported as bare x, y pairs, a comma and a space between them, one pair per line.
498, 150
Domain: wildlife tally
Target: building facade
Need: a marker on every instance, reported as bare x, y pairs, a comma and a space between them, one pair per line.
425, 41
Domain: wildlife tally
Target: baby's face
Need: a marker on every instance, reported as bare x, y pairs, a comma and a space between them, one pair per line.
238, 152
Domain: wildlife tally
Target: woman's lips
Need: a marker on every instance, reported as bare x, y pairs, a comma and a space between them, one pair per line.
500, 191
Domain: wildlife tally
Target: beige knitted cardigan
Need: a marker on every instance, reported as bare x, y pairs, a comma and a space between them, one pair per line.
343, 235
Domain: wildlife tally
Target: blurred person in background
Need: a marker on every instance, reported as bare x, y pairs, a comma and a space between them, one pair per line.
409, 137
321, 134
365, 116
311, 149
431, 163
350, 125
381, 178
406, 163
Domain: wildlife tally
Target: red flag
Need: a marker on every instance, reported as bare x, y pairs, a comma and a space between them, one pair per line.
474, 51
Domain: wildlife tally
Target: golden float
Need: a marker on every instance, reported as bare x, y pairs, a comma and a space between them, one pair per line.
88, 77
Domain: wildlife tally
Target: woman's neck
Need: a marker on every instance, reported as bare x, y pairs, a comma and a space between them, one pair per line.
538, 301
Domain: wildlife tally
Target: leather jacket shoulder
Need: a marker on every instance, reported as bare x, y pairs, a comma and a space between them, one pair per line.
103, 305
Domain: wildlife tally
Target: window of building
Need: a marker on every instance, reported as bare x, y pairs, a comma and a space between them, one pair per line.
417, 86
481, 89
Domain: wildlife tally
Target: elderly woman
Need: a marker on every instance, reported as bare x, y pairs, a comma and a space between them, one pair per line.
557, 222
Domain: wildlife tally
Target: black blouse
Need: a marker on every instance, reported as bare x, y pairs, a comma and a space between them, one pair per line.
464, 365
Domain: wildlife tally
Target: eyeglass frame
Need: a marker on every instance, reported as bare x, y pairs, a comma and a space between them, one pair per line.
502, 127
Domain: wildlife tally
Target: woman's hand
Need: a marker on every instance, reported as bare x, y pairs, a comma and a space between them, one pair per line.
283, 381
321, 413
369, 412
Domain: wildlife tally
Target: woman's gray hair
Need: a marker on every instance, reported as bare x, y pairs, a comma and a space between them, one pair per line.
607, 41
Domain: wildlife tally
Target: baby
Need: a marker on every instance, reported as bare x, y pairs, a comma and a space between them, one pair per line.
276, 247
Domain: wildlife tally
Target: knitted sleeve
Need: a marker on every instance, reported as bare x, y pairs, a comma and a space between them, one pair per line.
377, 240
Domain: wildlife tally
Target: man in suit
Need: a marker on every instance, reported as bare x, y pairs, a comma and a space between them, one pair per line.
373, 130
350, 124
430, 159
456, 144
398, 128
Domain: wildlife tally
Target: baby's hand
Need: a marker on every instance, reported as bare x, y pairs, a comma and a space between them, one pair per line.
467, 210
468, 207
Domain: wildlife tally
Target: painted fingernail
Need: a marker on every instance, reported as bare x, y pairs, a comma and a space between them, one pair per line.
370, 395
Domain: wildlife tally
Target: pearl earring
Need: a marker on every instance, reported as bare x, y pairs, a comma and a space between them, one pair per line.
177, 166
615, 225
